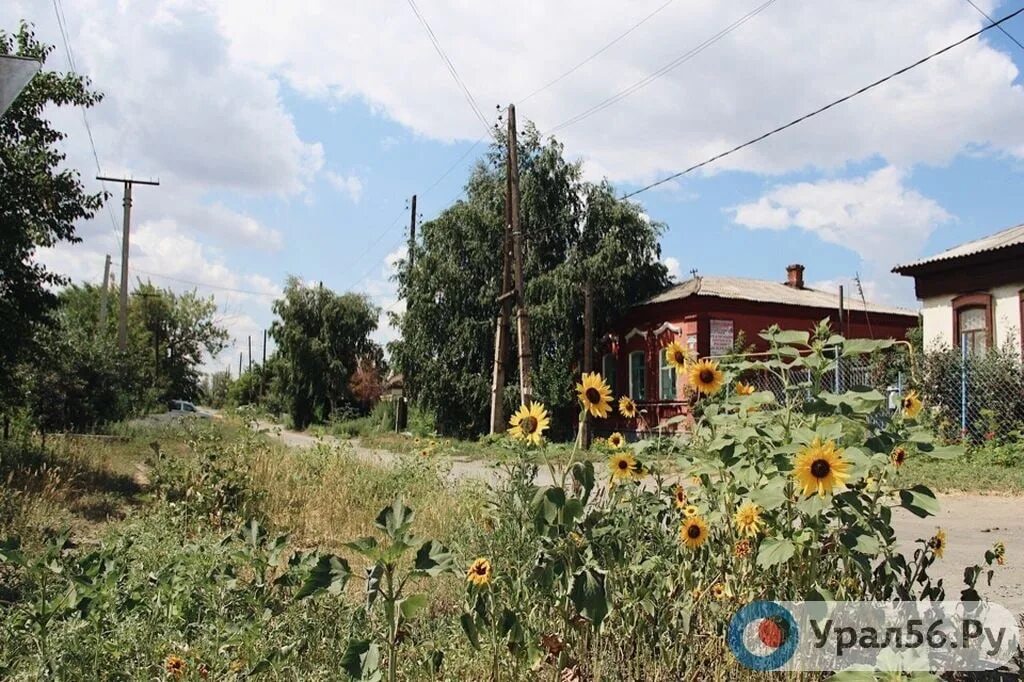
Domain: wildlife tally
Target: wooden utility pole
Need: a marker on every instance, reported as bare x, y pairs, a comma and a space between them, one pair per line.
250, 352
122, 321
522, 319
240, 354
412, 234
264, 347
588, 345
104, 292
504, 314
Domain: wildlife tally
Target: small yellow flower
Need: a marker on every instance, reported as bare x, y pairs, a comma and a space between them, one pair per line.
479, 572
999, 551
742, 549
690, 510
695, 593
627, 408
720, 591
623, 466
679, 493
694, 532
820, 466
748, 520
695, 480
938, 543
616, 441
899, 456
705, 377
594, 395
744, 389
529, 423
677, 356
174, 665
912, 404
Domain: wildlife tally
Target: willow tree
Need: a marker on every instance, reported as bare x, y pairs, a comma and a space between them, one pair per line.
574, 230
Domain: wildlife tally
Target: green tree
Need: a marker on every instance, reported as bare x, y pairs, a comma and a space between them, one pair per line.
40, 201
574, 230
321, 338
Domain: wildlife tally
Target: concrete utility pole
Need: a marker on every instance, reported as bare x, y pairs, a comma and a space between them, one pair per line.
504, 314
240, 354
264, 347
522, 319
412, 234
250, 352
588, 345
104, 292
122, 322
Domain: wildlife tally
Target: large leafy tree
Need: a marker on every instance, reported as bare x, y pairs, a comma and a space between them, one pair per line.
40, 200
321, 339
574, 231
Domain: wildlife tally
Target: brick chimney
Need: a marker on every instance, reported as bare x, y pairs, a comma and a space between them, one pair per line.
795, 276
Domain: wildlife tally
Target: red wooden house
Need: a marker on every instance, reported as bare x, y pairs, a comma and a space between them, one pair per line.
706, 314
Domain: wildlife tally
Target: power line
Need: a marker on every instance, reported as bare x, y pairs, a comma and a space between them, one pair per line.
207, 285
681, 59
990, 19
596, 54
451, 67
828, 106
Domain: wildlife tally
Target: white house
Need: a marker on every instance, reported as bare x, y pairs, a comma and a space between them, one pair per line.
973, 292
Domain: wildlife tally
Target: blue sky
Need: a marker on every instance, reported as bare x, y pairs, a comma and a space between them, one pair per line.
288, 139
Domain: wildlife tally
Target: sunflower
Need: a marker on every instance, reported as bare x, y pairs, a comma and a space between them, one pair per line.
679, 493
821, 467
742, 549
623, 465
938, 543
899, 456
705, 377
695, 593
911, 404
744, 389
174, 665
748, 519
616, 441
676, 356
999, 552
595, 395
720, 591
694, 532
690, 510
479, 572
627, 408
529, 423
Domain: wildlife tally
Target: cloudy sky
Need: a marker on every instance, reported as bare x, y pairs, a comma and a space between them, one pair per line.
287, 136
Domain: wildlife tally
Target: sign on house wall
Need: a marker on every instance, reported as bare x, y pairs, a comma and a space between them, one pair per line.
721, 337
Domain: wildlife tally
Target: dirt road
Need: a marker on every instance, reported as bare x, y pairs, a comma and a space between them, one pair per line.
973, 524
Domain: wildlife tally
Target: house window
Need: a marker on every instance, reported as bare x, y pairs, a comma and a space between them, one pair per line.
666, 377
608, 370
972, 322
636, 375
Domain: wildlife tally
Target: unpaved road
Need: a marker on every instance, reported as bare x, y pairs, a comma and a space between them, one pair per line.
973, 524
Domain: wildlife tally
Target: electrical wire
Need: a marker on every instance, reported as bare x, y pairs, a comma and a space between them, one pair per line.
825, 108
990, 19
207, 285
678, 61
596, 54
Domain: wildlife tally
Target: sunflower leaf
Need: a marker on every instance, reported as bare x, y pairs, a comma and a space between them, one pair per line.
433, 559
775, 551
588, 594
919, 501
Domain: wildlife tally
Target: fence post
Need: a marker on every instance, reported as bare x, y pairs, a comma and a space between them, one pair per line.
963, 385
837, 389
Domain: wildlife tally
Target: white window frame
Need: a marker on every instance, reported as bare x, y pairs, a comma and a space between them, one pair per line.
643, 369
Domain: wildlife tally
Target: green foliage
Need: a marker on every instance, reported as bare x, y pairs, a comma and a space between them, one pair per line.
574, 231
321, 338
40, 203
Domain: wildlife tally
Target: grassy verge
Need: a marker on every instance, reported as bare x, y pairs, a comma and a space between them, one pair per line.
965, 475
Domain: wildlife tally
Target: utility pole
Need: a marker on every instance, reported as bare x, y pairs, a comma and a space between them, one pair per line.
264, 347
588, 346
104, 292
250, 352
504, 314
412, 234
522, 320
240, 354
122, 323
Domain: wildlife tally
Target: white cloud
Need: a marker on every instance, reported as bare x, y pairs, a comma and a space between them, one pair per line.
672, 264
876, 216
784, 62
349, 184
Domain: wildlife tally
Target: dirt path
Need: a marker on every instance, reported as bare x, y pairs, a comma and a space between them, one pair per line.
973, 523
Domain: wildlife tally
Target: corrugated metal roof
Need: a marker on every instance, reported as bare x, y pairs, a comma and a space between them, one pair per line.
1000, 240
763, 291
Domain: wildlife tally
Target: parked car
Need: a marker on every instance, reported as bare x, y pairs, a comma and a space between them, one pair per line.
185, 408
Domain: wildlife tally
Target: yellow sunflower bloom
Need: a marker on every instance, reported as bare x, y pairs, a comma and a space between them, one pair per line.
744, 389
720, 591
679, 494
820, 467
174, 665
912, 405
748, 520
690, 510
595, 395
677, 356
623, 466
694, 532
529, 423
616, 441
999, 552
705, 377
938, 543
627, 408
479, 572
899, 456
